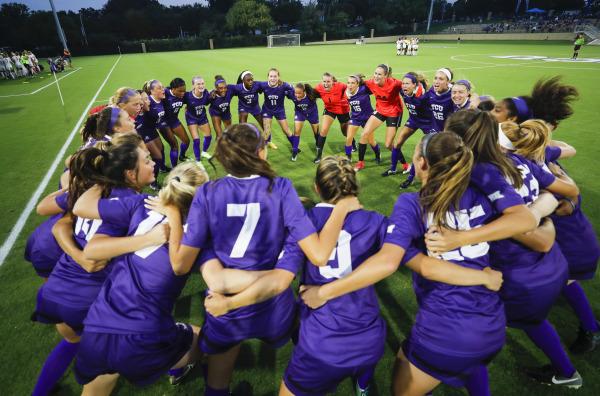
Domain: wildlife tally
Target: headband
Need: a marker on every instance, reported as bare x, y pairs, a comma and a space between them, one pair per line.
245, 73
356, 77
258, 135
446, 72
411, 77
219, 81
523, 111
114, 116
503, 140
151, 84
466, 83
425, 143
128, 94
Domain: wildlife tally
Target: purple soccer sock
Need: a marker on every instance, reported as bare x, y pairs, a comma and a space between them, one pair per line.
163, 164
544, 337
55, 366
376, 149
269, 139
196, 147
208, 391
394, 160
348, 150
177, 372
174, 155
160, 162
575, 296
366, 376
291, 140
478, 382
183, 148
295, 143
206, 144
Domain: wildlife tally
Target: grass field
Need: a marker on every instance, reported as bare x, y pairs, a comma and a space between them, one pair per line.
35, 127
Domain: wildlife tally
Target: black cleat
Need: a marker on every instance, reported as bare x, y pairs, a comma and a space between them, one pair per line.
389, 172
547, 375
586, 342
406, 183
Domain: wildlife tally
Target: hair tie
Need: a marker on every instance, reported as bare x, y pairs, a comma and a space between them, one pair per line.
411, 77
446, 72
503, 140
523, 111
176, 178
466, 83
114, 116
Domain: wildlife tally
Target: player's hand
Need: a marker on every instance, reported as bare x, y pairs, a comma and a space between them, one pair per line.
90, 265
556, 170
350, 203
565, 208
159, 234
154, 203
495, 280
310, 296
216, 304
440, 239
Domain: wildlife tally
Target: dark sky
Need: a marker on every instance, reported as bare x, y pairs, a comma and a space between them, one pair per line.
75, 5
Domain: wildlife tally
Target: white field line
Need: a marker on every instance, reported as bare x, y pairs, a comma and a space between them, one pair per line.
41, 88
16, 230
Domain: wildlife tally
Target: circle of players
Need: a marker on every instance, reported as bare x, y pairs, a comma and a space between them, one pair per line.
494, 235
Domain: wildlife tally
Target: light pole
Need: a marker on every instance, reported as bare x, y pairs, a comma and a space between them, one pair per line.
61, 34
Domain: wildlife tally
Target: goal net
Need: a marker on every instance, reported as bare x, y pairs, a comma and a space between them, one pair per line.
283, 40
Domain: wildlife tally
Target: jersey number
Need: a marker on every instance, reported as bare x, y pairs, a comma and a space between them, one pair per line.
144, 227
87, 227
251, 214
344, 258
460, 220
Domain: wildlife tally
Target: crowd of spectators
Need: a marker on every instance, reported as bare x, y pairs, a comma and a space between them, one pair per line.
534, 25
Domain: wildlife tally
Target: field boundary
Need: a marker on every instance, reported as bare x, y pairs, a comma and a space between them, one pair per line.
18, 227
41, 88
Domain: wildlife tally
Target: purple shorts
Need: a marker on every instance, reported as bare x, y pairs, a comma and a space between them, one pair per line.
271, 321
41, 249
312, 117
254, 110
278, 114
173, 123
141, 358
451, 370
361, 122
52, 312
148, 135
529, 292
226, 116
415, 124
193, 120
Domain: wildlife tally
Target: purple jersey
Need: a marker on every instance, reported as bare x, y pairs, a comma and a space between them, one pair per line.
575, 235
42, 250
172, 106
488, 178
274, 96
305, 108
248, 98
418, 110
69, 284
440, 107
360, 106
347, 331
195, 111
465, 105
139, 295
219, 105
471, 316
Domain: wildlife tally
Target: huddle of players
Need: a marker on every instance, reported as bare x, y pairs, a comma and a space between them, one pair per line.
407, 46
490, 196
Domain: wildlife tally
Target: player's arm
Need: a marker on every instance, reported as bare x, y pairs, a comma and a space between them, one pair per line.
226, 280
541, 239
566, 150
48, 205
63, 234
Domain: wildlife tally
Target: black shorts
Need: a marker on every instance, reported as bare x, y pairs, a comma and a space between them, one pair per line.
389, 121
577, 48
342, 118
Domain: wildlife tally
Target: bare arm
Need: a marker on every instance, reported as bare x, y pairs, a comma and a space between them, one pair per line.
182, 257
63, 233
545, 205
541, 239
48, 206
105, 247
87, 204
271, 284
566, 150
318, 248
225, 280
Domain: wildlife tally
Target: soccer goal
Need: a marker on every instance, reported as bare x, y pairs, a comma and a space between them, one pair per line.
283, 40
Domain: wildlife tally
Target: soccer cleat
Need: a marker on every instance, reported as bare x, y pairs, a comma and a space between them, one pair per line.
406, 168
358, 391
206, 155
406, 183
378, 158
359, 166
318, 157
183, 158
175, 380
586, 341
354, 149
547, 375
389, 172
272, 146
294, 157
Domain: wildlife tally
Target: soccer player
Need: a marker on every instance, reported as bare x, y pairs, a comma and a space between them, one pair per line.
127, 99
461, 95
579, 41
264, 208
444, 345
305, 109
388, 109
146, 124
247, 92
175, 98
220, 101
275, 90
75, 282
103, 125
196, 101
359, 99
333, 94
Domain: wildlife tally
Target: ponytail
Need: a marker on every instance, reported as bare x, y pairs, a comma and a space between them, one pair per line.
179, 187
336, 179
450, 163
85, 170
529, 138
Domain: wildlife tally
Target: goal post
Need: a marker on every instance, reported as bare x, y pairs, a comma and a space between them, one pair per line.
283, 40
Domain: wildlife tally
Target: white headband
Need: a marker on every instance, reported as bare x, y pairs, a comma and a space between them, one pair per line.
244, 74
446, 73
503, 140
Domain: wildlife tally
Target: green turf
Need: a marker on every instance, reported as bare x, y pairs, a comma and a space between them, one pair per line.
34, 127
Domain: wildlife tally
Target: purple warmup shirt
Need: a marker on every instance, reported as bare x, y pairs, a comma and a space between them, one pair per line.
360, 105
440, 107
71, 285
248, 98
219, 105
274, 96
139, 295
472, 317
196, 106
347, 331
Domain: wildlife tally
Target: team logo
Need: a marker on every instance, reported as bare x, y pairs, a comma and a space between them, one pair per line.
546, 59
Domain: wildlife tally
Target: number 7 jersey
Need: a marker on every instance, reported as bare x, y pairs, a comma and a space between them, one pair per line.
245, 223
